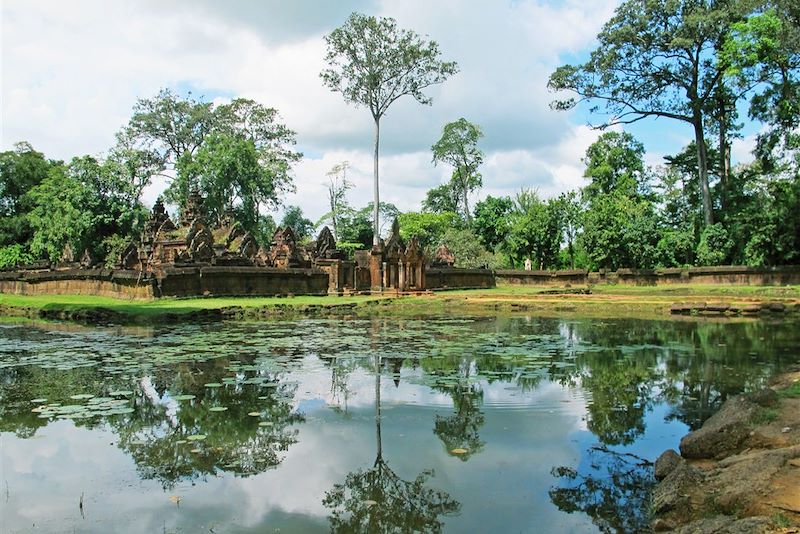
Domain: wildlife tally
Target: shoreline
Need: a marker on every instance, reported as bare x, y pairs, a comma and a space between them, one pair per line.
740, 471
726, 302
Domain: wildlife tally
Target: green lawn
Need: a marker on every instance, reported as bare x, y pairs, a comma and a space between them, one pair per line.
616, 298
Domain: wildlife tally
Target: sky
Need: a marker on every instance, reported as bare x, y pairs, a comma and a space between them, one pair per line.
72, 71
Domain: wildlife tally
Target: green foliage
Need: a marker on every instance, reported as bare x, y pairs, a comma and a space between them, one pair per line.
675, 248
467, 249
791, 391
715, 245
620, 231
491, 222
655, 59
458, 147
355, 226
228, 173
614, 163
440, 199
763, 54
429, 228
293, 217
112, 247
372, 63
235, 154
60, 215
21, 169
13, 255
534, 231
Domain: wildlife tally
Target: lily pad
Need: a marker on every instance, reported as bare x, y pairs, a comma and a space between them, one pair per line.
81, 396
214, 385
183, 397
196, 437
217, 409
254, 414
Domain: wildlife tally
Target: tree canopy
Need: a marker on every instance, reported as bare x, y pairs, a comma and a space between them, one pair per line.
372, 63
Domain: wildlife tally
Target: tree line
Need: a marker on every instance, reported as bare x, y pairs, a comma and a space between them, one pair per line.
697, 62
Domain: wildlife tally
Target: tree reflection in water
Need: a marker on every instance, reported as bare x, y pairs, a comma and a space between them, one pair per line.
615, 493
378, 500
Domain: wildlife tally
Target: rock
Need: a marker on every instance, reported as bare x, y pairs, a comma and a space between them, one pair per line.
666, 463
727, 525
751, 308
662, 525
672, 494
723, 433
777, 307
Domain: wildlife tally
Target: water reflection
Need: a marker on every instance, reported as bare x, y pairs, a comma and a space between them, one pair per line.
376, 499
614, 492
194, 403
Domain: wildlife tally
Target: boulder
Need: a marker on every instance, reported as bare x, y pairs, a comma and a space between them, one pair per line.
723, 433
667, 463
673, 493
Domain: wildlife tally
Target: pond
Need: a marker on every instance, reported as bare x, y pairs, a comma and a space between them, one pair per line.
514, 423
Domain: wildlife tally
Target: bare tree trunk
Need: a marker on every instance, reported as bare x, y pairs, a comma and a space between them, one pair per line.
466, 204
375, 213
702, 169
724, 151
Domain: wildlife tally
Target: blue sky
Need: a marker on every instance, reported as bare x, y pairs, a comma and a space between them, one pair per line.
71, 72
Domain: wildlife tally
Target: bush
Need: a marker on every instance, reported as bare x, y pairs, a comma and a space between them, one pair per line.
715, 246
13, 255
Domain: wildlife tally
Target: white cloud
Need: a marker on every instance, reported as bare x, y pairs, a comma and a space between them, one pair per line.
72, 72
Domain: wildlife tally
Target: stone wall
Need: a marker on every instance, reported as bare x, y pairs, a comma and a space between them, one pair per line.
738, 275
453, 278
102, 282
241, 281
188, 281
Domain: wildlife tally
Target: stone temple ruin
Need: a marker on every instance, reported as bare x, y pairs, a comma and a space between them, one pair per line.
198, 258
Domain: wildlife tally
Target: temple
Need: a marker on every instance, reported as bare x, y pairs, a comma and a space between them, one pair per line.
198, 258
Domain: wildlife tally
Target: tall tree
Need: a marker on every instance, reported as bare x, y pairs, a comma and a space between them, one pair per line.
763, 54
458, 147
656, 58
167, 131
171, 125
373, 63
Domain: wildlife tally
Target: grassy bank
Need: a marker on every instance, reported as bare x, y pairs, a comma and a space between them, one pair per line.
600, 301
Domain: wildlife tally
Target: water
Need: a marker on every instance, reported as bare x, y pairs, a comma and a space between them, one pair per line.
507, 424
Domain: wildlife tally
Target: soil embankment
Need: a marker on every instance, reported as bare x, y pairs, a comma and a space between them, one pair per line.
738, 473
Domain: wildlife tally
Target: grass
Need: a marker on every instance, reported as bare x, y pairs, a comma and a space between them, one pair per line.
763, 416
792, 391
604, 301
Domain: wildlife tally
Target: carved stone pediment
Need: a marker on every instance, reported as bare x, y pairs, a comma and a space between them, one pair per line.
67, 255
86, 259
